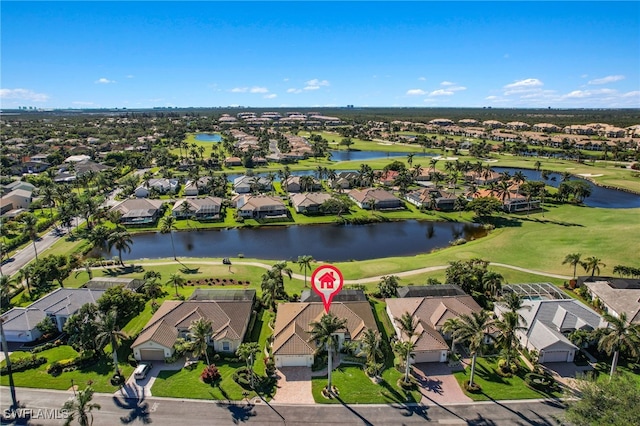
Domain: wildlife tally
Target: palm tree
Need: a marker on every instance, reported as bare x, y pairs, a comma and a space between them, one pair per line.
7, 285
593, 264
372, 348
29, 227
407, 324
80, 408
176, 280
167, 225
247, 352
305, 264
574, 260
508, 326
513, 302
620, 335
410, 159
404, 350
109, 332
324, 333
24, 274
472, 329
199, 332
121, 240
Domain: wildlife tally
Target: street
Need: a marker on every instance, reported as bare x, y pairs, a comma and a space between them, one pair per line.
44, 406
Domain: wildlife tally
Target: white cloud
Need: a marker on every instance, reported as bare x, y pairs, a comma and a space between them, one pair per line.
491, 98
441, 92
104, 80
416, 92
270, 96
422, 78
23, 94
315, 84
589, 93
523, 86
634, 94
293, 90
256, 89
607, 79
311, 88
285, 79
130, 76
239, 90
446, 83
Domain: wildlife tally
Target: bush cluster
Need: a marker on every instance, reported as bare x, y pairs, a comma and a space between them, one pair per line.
47, 346
210, 374
24, 364
472, 388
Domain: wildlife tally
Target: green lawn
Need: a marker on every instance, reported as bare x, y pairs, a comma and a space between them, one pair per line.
497, 387
356, 388
99, 374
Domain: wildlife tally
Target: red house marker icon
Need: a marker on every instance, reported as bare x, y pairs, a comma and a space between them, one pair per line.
327, 281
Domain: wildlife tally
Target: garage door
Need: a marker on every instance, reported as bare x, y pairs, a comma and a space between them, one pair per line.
292, 361
152, 354
555, 356
433, 356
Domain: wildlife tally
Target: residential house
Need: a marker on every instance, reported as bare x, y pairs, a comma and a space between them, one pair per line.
548, 324
430, 314
139, 211
17, 184
260, 206
88, 166
20, 323
207, 208
432, 198
230, 320
162, 185
15, 202
375, 199
617, 295
309, 202
245, 184
298, 184
387, 178
233, 161
482, 178
292, 345
344, 180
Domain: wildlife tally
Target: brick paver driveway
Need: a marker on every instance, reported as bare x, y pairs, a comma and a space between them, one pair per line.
294, 386
437, 384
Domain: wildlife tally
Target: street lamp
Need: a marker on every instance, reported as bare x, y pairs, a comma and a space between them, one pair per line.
12, 385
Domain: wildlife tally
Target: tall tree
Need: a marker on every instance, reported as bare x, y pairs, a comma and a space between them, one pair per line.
407, 324
573, 259
507, 326
405, 349
324, 332
200, 332
372, 349
592, 264
121, 240
176, 280
30, 228
167, 225
247, 352
619, 336
473, 329
109, 332
80, 408
304, 262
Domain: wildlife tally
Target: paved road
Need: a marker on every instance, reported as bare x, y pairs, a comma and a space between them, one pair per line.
166, 411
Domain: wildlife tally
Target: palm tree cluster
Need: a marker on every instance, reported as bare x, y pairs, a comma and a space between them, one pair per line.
273, 284
324, 333
590, 264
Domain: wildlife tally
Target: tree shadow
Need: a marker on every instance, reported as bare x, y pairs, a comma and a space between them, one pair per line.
525, 420
138, 409
480, 420
354, 412
395, 396
239, 413
553, 222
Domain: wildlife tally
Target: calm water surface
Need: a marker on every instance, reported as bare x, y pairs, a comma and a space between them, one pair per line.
208, 137
323, 242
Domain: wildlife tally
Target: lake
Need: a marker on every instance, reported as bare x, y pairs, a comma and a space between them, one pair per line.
344, 155
323, 242
600, 196
208, 137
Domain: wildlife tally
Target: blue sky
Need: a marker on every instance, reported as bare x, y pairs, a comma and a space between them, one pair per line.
269, 54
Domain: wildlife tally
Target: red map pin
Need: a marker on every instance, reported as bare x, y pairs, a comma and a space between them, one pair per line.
327, 281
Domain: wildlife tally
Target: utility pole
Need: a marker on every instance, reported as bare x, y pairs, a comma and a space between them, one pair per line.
12, 385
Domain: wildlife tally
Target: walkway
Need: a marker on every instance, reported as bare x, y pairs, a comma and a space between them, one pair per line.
438, 385
373, 279
140, 389
294, 386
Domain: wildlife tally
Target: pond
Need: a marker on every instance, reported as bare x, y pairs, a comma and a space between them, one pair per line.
323, 242
353, 155
208, 137
600, 196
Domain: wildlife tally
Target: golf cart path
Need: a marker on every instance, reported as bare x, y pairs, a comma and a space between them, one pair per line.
361, 280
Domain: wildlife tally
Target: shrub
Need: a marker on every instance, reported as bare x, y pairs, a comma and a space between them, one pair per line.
55, 369
471, 388
24, 364
210, 374
117, 380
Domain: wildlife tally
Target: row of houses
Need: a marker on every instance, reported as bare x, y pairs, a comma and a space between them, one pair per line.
548, 317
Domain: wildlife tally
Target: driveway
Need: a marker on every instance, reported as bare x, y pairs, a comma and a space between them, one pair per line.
140, 389
437, 384
294, 386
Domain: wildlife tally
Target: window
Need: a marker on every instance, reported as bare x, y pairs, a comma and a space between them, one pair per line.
226, 346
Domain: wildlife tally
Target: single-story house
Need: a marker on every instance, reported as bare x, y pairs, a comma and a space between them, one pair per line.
194, 188
618, 295
20, 323
375, 199
298, 184
387, 178
18, 199
309, 202
230, 320
344, 180
259, 206
246, 184
430, 313
206, 208
162, 185
233, 161
427, 197
482, 178
291, 345
17, 184
549, 322
138, 211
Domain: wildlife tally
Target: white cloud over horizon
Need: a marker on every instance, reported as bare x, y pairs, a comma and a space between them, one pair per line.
23, 94
607, 79
104, 80
416, 92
